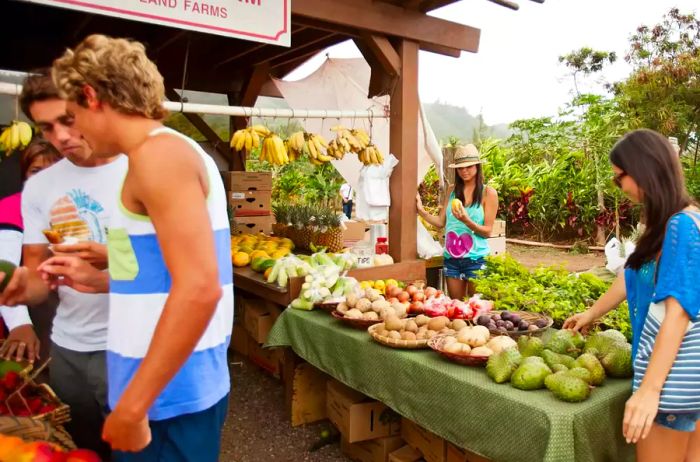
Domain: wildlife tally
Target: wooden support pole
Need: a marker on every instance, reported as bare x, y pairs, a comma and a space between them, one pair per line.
403, 143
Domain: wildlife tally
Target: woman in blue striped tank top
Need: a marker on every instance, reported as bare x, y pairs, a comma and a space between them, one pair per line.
467, 216
647, 169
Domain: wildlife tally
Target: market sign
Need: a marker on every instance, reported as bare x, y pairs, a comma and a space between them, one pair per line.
265, 21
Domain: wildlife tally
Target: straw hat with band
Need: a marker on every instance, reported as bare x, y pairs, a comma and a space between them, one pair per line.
466, 156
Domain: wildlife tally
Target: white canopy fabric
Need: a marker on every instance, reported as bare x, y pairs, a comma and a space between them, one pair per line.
343, 84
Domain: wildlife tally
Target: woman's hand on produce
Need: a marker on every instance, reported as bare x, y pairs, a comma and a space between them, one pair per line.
21, 343
579, 322
461, 214
640, 412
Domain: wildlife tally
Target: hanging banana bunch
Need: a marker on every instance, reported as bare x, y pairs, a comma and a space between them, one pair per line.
371, 156
274, 150
17, 136
315, 144
249, 138
348, 140
295, 145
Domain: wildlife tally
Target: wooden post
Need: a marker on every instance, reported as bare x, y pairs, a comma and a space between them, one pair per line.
403, 143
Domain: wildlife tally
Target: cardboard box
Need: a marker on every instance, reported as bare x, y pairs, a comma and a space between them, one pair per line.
499, 228
259, 318
306, 393
245, 181
239, 340
358, 417
405, 454
497, 245
433, 448
267, 359
455, 454
355, 231
253, 225
371, 451
250, 203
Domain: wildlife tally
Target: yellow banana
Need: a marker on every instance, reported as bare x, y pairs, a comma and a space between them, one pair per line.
4, 139
321, 140
239, 138
14, 137
262, 130
256, 139
25, 133
312, 150
234, 139
281, 150
248, 141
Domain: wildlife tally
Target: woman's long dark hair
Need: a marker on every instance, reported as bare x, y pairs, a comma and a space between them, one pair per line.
478, 187
649, 158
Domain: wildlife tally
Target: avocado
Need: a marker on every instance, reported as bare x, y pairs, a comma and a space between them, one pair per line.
8, 269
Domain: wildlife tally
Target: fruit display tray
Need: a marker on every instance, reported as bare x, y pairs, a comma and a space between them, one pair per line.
394, 343
355, 323
529, 317
436, 344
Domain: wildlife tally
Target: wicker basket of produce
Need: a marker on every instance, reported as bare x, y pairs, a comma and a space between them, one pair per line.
329, 306
376, 330
515, 323
438, 344
362, 324
31, 429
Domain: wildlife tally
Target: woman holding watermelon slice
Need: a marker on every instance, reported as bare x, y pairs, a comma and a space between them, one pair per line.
467, 216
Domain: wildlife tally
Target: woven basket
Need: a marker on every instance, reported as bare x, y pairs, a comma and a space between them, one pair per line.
279, 229
436, 343
328, 307
362, 324
529, 317
394, 343
30, 429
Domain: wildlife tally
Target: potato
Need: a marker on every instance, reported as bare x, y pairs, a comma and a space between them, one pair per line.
422, 320
411, 326
354, 314
370, 316
458, 324
394, 323
449, 340
439, 323
343, 307
351, 300
407, 335
395, 335
481, 351
379, 305
363, 305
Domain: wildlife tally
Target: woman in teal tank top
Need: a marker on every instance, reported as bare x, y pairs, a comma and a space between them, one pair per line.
467, 216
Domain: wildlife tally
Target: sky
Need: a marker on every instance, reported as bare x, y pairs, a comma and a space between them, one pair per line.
516, 73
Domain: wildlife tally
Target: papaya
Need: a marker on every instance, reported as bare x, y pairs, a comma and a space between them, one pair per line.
8, 269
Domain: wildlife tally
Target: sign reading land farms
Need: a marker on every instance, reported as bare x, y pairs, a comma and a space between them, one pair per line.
265, 21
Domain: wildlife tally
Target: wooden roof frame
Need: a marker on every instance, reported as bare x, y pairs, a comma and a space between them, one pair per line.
389, 33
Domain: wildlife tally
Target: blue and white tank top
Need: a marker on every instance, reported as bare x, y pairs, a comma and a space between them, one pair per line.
139, 286
460, 241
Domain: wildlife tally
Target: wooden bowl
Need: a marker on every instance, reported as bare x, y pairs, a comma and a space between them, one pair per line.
436, 343
395, 343
355, 323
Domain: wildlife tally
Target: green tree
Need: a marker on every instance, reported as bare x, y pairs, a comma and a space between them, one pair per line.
586, 61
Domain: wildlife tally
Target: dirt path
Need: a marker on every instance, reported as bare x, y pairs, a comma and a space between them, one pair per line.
536, 256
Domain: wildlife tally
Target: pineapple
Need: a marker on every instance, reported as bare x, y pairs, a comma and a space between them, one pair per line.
307, 221
281, 213
331, 235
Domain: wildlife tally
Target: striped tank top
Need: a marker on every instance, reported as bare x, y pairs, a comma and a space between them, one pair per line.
139, 286
677, 277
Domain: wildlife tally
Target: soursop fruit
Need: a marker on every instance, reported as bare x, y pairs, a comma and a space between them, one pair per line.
530, 376
618, 361
600, 343
567, 388
566, 342
501, 366
580, 372
596, 369
530, 346
552, 358
559, 368
614, 335
533, 359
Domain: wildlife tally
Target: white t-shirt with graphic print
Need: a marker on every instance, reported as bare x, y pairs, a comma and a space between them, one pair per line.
78, 201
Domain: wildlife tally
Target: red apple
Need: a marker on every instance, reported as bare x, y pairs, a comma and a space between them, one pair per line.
411, 290
419, 297
395, 291
82, 455
404, 297
393, 300
430, 292
417, 307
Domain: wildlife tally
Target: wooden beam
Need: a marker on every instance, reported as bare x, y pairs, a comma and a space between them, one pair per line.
220, 145
403, 143
380, 82
306, 44
406, 24
385, 53
251, 90
305, 53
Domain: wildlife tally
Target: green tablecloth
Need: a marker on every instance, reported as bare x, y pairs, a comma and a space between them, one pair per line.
461, 403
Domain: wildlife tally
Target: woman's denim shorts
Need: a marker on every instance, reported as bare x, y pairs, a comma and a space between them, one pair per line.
683, 422
462, 268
